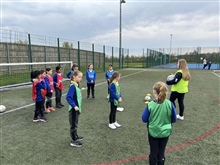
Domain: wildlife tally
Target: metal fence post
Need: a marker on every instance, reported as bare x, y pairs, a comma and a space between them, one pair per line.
143, 59
8, 58
45, 55
30, 51
93, 55
104, 58
112, 54
86, 58
79, 55
122, 59
119, 59
58, 44
128, 58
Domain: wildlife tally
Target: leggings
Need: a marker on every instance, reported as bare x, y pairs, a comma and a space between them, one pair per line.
180, 98
92, 87
157, 150
112, 115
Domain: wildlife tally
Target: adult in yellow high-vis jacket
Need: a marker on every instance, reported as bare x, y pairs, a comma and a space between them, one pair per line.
180, 86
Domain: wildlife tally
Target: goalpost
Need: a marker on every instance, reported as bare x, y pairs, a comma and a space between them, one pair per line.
17, 75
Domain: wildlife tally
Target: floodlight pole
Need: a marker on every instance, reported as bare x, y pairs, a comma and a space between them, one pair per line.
121, 1
171, 35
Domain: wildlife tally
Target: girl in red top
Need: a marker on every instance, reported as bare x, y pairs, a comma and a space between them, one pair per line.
49, 80
58, 86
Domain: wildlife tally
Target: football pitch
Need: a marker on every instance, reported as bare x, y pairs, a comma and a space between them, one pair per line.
194, 141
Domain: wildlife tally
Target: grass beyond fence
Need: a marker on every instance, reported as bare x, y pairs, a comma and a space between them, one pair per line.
192, 142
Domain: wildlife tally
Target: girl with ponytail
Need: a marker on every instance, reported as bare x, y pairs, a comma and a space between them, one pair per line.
159, 116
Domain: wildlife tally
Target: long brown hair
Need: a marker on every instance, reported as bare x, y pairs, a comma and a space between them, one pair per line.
185, 71
89, 65
114, 75
161, 90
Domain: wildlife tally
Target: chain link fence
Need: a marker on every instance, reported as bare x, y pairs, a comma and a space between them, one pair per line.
18, 47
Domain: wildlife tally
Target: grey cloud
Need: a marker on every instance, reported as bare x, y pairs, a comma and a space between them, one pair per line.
144, 23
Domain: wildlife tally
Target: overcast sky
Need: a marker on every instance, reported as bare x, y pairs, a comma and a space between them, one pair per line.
145, 24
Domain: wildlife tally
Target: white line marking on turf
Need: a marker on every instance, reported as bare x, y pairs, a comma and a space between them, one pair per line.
12, 110
215, 74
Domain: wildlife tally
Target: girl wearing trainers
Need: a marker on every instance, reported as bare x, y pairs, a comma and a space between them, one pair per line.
74, 99
108, 75
90, 79
49, 80
37, 86
114, 99
159, 116
180, 86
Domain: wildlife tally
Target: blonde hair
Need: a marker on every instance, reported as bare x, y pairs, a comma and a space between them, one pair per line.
74, 74
161, 90
184, 68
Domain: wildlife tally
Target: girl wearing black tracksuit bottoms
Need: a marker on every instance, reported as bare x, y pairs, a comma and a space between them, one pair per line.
74, 99
159, 116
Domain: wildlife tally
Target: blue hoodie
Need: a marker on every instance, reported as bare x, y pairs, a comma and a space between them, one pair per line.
39, 86
71, 96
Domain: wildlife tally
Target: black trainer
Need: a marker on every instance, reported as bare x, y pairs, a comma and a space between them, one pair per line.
36, 119
79, 138
43, 119
61, 105
76, 144
58, 106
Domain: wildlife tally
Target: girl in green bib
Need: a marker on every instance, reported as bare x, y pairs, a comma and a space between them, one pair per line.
114, 99
159, 116
74, 99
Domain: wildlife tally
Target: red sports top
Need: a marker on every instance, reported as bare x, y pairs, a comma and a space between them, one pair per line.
60, 81
50, 80
34, 91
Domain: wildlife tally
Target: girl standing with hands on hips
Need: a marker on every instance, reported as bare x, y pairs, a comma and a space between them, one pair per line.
74, 99
114, 99
180, 86
159, 116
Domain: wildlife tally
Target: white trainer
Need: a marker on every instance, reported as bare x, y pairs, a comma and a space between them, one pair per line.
112, 126
107, 97
180, 117
116, 124
120, 109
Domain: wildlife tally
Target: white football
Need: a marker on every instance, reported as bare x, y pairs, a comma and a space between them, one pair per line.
147, 98
2, 108
170, 77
